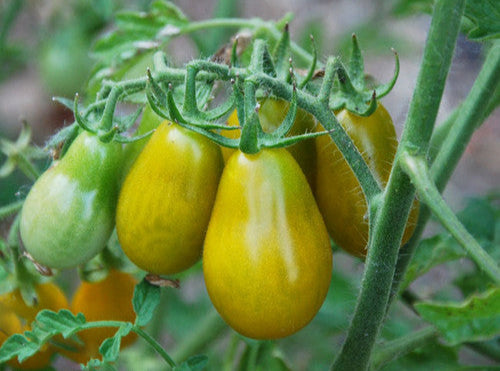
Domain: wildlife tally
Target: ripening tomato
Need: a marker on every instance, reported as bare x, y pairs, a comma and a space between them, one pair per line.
16, 317
48, 296
166, 200
338, 192
272, 112
109, 299
267, 259
69, 213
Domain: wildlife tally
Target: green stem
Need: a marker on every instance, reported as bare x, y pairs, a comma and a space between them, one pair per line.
398, 197
27, 167
155, 345
327, 119
208, 329
10, 209
231, 352
399, 347
471, 114
418, 171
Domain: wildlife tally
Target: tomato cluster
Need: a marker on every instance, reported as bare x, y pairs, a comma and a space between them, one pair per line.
262, 221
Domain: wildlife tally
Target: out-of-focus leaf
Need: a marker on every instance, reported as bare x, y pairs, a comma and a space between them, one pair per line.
110, 348
483, 19
431, 252
478, 217
146, 299
195, 363
481, 218
408, 7
435, 357
478, 318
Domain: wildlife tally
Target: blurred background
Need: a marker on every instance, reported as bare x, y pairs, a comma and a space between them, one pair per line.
46, 51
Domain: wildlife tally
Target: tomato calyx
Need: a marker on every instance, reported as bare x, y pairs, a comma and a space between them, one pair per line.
351, 89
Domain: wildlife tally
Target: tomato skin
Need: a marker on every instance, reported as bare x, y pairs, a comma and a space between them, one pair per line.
338, 192
48, 296
166, 200
149, 121
109, 299
267, 260
16, 317
272, 112
68, 215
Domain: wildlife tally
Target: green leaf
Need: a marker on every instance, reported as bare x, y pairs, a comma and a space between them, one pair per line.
478, 217
20, 346
98, 365
434, 356
195, 363
481, 218
478, 318
146, 299
110, 348
483, 17
63, 322
431, 252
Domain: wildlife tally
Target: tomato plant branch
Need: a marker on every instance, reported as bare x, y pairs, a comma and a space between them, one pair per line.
10, 209
159, 349
393, 213
456, 130
472, 114
399, 347
417, 170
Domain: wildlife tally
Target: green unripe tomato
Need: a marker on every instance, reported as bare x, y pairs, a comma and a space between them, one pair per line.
69, 213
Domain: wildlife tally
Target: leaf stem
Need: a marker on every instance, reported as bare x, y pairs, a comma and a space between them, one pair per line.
398, 197
399, 347
11, 208
418, 171
205, 331
159, 349
471, 114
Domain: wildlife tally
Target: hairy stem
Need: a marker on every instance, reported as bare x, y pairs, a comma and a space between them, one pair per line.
417, 170
11, 209
472, 113
391, 219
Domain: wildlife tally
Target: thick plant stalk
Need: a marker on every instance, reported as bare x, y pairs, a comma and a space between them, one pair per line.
468, 118
398, 197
